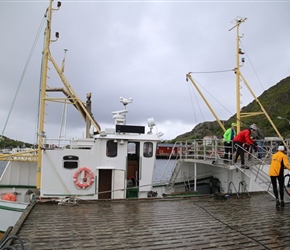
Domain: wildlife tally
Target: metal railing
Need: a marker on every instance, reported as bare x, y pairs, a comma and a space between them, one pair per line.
213, 149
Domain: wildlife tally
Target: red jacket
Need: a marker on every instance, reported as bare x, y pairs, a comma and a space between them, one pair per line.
244, 137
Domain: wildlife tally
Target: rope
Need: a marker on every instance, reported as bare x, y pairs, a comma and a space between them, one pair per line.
2, 246
232, 228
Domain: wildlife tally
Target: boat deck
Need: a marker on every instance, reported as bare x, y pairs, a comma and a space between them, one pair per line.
203, 222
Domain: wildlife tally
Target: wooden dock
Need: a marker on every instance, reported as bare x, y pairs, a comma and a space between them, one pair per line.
202, 222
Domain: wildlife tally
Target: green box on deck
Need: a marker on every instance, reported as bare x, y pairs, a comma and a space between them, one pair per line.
132, 193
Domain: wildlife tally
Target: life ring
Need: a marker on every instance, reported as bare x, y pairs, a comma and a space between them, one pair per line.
86, 181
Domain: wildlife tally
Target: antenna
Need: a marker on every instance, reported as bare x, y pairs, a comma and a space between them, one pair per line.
126, 101
120, 117
63, 61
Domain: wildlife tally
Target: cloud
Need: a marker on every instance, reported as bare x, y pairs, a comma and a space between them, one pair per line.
142, 50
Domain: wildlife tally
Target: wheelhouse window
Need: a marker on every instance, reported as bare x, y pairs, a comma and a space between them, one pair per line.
112, 148
148, 149
132, 148
70, 162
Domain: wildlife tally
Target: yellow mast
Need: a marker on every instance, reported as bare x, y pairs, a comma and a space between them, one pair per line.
240, 77
85, 110
188, 76
237, 72
41, 134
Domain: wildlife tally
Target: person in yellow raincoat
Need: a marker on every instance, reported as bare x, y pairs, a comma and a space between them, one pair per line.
276, 172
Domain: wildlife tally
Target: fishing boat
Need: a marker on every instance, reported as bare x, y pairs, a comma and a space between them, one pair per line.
113, 163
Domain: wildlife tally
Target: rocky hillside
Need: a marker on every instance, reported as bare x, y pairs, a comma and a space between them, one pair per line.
275, 100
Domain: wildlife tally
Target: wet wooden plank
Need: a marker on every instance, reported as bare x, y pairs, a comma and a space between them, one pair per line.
190, 223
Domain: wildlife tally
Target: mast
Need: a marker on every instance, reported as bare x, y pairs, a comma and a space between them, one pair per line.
237, 71
188, 76
41, 134
70, 94
240, 77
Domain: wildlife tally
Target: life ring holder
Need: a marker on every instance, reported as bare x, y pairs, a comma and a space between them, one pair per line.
88, 179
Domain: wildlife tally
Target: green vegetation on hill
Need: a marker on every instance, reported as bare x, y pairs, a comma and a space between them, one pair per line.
276, 102
5, 142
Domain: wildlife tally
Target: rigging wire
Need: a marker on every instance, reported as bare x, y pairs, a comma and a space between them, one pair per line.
211, 94
252, 66
211, 72
191, 100
196, 99
23, 74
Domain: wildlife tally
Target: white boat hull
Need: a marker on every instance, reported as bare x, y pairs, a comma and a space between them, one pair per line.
18, 178
10, 212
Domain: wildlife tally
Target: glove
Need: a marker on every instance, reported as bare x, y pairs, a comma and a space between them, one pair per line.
255, 147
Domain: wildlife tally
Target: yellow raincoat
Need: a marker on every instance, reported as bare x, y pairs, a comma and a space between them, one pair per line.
277, 159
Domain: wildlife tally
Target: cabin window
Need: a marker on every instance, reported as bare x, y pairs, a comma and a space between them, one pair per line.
112, 148
148, 149
131, 148
70, 161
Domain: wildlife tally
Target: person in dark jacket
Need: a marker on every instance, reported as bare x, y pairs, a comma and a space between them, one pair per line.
259, 137
243, 140
276, 172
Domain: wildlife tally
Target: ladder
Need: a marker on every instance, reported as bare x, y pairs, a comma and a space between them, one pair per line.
174, 174
256, 173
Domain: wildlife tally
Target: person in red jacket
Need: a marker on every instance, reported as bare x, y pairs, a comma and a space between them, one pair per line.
241, 141
276, 172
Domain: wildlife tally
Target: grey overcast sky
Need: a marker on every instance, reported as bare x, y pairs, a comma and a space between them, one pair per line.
143, 50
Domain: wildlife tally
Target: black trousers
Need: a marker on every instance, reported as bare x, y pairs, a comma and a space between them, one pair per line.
239, 152
228, 150
280, 179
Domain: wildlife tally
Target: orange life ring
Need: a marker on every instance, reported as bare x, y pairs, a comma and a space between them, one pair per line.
86, 181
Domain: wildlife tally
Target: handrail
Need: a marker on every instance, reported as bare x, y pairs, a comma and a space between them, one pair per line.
244, 184
229, 190
211, 150
170, 158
